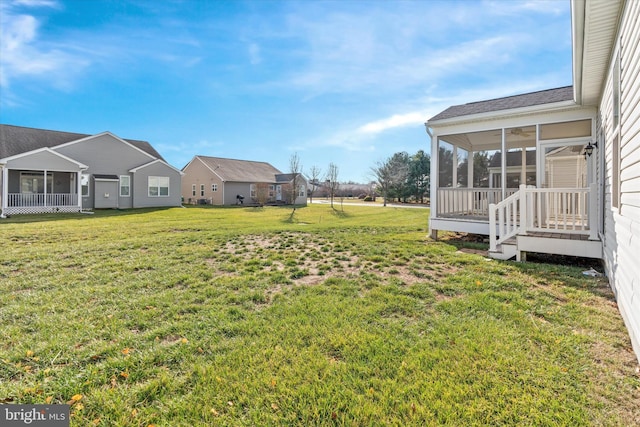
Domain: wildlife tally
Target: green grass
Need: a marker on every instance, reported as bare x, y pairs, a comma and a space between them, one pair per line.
254, 316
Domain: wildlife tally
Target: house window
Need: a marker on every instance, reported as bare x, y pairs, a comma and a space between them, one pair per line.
33, 182
214, 187
84, 181
615, 175
158, 186
125, 186
302, 191
193, 190
253, 191
201, 190
272, 190
616, 92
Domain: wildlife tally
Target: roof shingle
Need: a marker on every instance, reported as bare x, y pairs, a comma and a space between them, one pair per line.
233, 170
17, 140
516, 101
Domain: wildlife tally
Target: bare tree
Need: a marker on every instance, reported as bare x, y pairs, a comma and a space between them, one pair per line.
262, 193
295, 169
314, 180
332, 180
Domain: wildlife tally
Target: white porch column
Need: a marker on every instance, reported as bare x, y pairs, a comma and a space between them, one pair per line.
79, 189
45, 188
523, 170
470, 169
5, 189
503, 166
433, 181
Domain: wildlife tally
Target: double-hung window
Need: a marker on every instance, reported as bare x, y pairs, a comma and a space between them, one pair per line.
84, 181
125, 186
158, 186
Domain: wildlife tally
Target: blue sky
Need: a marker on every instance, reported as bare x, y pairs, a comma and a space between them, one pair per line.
349, 82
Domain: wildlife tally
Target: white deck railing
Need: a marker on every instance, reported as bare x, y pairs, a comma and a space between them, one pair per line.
468, 202
556, 210
23, 200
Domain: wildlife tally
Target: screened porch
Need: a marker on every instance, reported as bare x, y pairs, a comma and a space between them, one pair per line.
485, 178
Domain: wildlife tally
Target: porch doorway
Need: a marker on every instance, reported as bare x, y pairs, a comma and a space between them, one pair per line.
564, 194
565, 166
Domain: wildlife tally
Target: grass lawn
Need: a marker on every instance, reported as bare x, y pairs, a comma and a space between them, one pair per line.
258, 317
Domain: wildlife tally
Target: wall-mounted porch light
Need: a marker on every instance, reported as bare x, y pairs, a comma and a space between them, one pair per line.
588, 150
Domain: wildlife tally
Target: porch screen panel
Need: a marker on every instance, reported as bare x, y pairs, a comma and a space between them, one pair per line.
521, 156
463, 168
445, 164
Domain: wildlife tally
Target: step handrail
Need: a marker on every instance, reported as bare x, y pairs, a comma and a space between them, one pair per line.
505, 218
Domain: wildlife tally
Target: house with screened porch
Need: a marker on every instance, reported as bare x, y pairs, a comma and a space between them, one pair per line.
555, 171
48, 171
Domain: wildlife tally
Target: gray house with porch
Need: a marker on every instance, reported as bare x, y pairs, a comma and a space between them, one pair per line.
43, 171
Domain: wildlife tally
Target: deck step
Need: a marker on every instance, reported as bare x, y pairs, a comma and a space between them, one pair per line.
506, 250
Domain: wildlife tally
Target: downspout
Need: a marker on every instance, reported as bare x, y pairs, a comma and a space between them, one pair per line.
503, 166
45, 188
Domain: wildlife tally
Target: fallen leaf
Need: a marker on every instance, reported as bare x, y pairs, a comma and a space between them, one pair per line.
30, 353
274, 407
184, 340
214, 412
48, 399
124, 374
134, 412
126, 351
96, 421
334, 415
230, 403
74, 399
79, 407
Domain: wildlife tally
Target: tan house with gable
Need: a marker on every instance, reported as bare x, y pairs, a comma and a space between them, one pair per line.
221, 181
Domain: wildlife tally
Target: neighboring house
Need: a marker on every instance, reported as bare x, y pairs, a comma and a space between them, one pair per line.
49, 171
586, 138
219, 181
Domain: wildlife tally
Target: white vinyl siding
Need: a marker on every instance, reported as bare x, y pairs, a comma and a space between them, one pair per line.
620, 122
158, 186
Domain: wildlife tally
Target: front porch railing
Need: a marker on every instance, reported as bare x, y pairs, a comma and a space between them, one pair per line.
23, 200
543, 210
468, 202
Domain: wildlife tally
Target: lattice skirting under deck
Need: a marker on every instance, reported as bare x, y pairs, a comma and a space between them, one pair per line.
40, 209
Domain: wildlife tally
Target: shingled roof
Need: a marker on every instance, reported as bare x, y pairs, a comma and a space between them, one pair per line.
17, 140
548, 96
233, 170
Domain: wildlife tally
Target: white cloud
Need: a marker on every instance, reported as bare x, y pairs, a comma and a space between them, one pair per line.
397, 120
36, 3
21, 54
